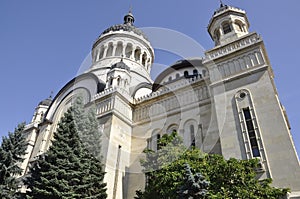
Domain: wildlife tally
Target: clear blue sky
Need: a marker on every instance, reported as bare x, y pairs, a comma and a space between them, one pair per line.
43, 43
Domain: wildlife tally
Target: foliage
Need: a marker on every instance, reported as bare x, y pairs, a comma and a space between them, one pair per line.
67, 170
12, 150
88, 128
228, 178
194, 186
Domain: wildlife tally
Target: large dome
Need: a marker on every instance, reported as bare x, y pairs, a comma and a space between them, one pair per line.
124, 27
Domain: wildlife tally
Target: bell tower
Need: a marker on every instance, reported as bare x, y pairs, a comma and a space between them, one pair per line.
252, 122
228, 24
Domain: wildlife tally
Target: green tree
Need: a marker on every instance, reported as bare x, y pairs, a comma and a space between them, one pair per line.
228, 178
67, 170
88, 127
12, 150
194, 186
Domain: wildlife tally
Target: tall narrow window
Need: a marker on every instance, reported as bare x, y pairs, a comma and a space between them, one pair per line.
157, 141
192, 131
251, 132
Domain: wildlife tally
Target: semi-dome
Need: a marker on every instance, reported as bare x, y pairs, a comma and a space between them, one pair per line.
120, 65
46, 102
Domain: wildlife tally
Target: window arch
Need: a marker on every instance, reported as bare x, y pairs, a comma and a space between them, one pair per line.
172, 128
238, 25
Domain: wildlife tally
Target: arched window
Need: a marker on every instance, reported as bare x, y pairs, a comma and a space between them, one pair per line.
238, 25
111, 82
137, 54
170, 78
144, 58
195, 72
128, 50
101, 52
186, 73
226, 28
109, 50
177, 75
118, 81
119, 49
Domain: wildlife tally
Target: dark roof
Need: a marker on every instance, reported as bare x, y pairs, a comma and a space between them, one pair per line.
125, 27
120, 65
46, 102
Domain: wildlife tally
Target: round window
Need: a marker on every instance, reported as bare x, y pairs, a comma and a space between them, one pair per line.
242, 95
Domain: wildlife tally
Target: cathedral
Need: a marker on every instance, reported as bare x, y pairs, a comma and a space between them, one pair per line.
224, 102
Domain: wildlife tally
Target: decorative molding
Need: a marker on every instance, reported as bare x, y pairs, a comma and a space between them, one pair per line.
232, 47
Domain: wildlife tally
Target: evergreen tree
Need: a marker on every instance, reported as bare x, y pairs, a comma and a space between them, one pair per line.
67, 170
194, 186
88, 127
12, 150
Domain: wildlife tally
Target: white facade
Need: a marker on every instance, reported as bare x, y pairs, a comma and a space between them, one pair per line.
225, 102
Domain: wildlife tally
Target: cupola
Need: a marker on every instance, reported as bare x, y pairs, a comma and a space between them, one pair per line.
228, 24
124, 41
119, 76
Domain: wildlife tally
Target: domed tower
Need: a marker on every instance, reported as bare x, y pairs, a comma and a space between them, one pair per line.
126, 42
227, 24
119, 76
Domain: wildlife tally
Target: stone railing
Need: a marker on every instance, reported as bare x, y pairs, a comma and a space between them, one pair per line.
110, 91
232, 47
169, 88
108, 104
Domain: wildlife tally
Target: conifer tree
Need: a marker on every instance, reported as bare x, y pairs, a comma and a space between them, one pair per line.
12, 150
88, 128
194, 186
67, 170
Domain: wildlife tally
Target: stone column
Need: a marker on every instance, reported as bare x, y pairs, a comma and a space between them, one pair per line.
114, 49
105, 51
